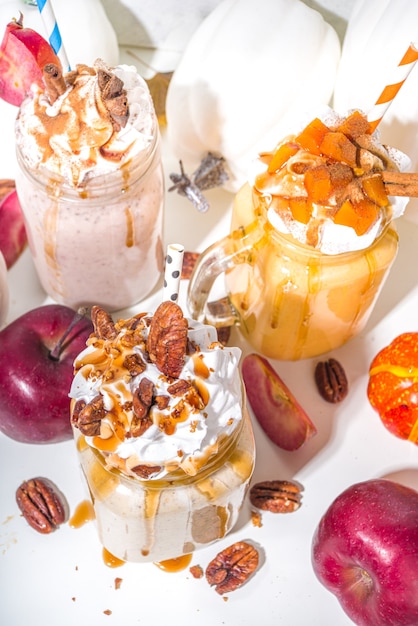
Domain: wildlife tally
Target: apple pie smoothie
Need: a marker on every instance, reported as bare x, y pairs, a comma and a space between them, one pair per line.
91, 185
312, 241
163, 436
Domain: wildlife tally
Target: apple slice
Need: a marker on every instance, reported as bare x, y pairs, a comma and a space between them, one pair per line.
13, 237
23, 55
278, 412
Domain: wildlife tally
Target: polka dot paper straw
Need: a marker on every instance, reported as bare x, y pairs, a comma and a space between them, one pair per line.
388, 94
172, 275
53, 32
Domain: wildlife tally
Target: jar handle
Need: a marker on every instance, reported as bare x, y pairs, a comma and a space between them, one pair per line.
217, 259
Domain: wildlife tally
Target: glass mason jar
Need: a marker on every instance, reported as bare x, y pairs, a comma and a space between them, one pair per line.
289, 300
156, 520
101, 243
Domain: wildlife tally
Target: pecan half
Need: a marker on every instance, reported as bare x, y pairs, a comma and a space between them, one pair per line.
87, 418
41, 504
331, 380
232, 567
104, 326
142, 401
276, 496
167, 339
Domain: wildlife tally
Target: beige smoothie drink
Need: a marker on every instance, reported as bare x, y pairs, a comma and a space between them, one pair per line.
91, 186
312, 240
162, 432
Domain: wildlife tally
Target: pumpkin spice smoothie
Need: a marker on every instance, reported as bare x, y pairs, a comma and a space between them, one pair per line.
313, 239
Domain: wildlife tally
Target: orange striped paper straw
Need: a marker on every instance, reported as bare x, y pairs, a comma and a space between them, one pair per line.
388, 94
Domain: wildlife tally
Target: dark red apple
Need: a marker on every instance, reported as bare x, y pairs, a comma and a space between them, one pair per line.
23, 55
36, 372
365, 551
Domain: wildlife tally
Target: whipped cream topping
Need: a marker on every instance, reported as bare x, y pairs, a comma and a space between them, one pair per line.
275, 190
186, 432
74, 136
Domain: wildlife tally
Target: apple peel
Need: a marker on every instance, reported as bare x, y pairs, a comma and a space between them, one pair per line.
13, 238
23, 55
276, 409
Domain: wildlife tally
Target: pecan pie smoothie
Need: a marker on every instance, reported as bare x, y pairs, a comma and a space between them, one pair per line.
91, 185
163, 436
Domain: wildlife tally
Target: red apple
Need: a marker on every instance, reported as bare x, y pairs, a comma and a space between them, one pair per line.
365, 551
13, 237
23, 55
36, 371
275, 407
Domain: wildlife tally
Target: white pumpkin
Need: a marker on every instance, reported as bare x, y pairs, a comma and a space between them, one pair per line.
378, 34
247, 76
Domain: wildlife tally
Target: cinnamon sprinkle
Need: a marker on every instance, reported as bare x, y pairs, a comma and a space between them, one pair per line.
401, 183
54, 81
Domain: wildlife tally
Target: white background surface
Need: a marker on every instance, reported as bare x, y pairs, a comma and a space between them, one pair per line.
61, 580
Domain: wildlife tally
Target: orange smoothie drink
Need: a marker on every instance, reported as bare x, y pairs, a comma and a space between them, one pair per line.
312, 240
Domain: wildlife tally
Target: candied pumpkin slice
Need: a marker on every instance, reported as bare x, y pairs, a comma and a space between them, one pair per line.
355, 125
317, 183
374, 188
312, 136
282, 155
301, 209
339, 147
359, 215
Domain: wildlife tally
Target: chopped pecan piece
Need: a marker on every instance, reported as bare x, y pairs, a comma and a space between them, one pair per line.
224, 333
142, 401
196, 571
232, 567
104, 326
88, 418
331, 380
189, 261
145, 471
167, 339
179, 388
40, 504
276, 496
134, 364
162, 402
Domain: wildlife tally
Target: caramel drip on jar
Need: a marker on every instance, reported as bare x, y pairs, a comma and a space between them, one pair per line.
84, 512
151, 502
110, 560
175, 565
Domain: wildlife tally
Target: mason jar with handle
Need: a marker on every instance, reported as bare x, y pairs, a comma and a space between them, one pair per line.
289, 300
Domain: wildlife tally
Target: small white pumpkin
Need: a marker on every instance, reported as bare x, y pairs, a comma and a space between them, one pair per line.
249, 73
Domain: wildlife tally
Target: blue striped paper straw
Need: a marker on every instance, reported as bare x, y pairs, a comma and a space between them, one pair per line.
53, 31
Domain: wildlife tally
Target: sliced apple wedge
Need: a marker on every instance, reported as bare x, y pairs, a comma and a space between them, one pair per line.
276, 409
23, 55
13, 237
